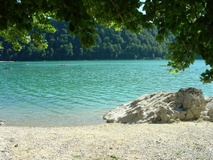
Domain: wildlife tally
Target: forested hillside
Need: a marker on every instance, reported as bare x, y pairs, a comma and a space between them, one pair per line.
110, 44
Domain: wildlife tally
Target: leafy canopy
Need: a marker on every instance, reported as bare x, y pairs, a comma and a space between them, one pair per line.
22, 21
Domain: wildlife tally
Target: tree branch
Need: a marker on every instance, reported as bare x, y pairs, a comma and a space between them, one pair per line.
117, 10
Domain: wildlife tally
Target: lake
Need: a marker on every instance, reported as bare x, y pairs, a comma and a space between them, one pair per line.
69, 93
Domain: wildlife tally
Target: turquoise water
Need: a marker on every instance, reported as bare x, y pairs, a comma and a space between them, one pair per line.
67, 93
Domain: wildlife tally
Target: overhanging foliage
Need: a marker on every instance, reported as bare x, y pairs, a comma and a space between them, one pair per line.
192, 22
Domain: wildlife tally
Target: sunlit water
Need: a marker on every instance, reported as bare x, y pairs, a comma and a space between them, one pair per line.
68, 93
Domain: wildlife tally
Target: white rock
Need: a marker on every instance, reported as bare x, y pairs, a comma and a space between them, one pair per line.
165, 107
208, 113
2, 122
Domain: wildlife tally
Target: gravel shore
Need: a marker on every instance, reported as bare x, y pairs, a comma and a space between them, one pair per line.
183, 140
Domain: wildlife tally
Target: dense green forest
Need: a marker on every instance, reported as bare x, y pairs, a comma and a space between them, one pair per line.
110, 44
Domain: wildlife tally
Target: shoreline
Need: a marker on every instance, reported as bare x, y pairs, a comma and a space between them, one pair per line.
5, 123
182, 140
98, 121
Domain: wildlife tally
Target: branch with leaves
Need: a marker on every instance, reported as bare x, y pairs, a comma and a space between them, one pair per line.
191, 22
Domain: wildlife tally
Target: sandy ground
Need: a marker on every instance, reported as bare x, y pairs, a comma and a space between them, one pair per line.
184, 140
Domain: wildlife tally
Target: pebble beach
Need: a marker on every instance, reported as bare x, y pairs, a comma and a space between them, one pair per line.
181, 140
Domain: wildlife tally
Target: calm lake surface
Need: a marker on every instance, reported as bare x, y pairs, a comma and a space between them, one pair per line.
67, 93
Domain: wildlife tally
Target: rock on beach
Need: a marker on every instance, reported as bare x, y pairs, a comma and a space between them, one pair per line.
2, 122
164, 107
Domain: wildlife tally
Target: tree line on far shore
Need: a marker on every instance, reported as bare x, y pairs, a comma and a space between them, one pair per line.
110, 45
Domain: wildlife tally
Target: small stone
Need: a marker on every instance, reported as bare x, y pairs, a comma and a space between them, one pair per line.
171, 121
12, 140
16, 145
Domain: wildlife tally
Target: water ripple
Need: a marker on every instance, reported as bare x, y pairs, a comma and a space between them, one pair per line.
46, 94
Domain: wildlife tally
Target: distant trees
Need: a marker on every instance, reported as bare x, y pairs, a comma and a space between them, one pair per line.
22, 21
110, 44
